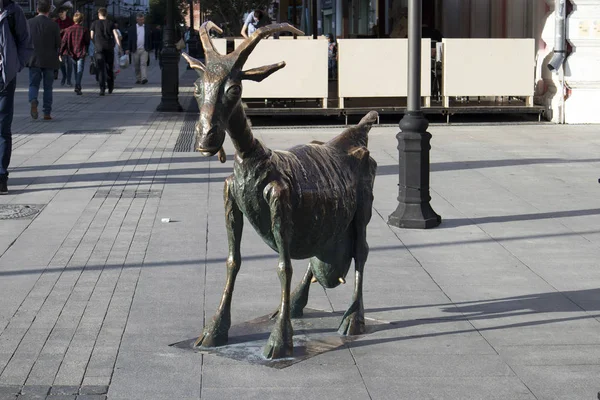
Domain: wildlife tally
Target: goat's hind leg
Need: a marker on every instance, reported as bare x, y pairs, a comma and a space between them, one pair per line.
299, 297
353, 321
217, 332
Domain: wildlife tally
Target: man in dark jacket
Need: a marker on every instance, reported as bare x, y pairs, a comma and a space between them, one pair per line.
46, 42
105, 38
15, 50
139, 44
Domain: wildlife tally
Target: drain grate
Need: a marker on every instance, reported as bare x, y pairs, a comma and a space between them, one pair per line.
128, 194
94, 132
19, 211
187, 134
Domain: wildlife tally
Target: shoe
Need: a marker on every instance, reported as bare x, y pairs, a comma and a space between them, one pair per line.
34, 110
110, 90
78, 92
47, 117
69, 84
62, 83
144, 81
102, 93
4, 184
138, 82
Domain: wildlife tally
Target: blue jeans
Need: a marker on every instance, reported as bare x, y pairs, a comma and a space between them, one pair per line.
79, 68
66, 67
7, 103
35, 77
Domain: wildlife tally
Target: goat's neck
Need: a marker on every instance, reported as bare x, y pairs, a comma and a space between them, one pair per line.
241, 135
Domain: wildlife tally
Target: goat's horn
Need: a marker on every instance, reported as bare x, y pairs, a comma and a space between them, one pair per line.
244, 49
207, 43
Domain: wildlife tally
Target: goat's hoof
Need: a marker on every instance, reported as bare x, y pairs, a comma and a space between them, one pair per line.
281, 343
274, 351
352, 324
211, 338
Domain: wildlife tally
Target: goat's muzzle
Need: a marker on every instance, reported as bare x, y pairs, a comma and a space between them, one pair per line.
209, 143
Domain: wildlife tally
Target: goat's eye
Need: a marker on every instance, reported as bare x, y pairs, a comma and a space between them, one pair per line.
235, 90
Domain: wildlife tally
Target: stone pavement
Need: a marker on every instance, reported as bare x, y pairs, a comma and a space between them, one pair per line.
502, 301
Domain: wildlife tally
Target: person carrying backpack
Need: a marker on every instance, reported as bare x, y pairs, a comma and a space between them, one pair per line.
15, 49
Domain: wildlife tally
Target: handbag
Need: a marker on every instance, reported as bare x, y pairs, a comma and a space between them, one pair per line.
124, 61
180, 45
93, 68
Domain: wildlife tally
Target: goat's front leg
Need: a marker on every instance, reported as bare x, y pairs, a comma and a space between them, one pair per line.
281, 344
217, 332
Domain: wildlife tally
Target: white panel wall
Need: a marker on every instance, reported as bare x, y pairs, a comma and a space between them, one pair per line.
488, 67
379, 67
582, 67
305, 73
220, 45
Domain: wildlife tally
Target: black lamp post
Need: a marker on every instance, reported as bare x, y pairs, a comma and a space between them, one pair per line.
170, 65
414, 210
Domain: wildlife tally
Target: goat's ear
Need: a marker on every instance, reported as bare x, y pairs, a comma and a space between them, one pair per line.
260, 73
195, 64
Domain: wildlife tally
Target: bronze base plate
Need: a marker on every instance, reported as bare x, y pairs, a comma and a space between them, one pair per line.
315, 333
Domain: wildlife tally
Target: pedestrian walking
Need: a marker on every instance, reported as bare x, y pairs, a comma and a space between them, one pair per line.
139, 45
157, 38
66, 63
15, 50
332, 56
46, 44
254, 20
105, 38
75, 42
118, 50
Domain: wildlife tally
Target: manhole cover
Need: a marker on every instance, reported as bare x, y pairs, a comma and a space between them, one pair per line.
94, 132
19, 211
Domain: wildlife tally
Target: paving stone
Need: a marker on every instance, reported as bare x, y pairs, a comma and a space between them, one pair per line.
35, 390
58, 390
95, 389
91, 397
10, 389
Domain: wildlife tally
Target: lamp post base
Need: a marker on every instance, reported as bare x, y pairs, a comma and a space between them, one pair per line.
169, 101
414, 210
414, 216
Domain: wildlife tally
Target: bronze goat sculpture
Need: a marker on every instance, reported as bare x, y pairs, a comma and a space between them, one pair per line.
311, 201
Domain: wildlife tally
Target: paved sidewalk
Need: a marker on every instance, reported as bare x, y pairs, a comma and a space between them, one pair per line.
502, 301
